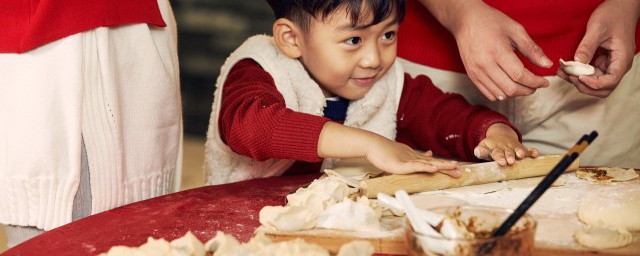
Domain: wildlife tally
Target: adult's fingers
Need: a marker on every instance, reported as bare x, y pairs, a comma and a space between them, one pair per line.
617, 68
507, 85
592, 39
491, 86
516, 71
602, 93
525, 45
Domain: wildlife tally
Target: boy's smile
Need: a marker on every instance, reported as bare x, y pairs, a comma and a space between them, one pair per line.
346, 59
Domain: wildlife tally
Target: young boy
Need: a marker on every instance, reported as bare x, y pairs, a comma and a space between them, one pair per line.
327, 85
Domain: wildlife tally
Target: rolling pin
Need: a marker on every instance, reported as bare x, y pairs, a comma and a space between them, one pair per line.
472, 174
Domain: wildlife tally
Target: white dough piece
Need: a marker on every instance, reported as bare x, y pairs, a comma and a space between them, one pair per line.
321, 194
292, 248
606, 174
123, 251
188, 245
616, 208
287, 218
222, 244
577, 68
356, 248
155, 247
601, 237
350, 215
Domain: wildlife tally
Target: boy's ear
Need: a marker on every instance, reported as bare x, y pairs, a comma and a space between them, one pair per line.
287, 37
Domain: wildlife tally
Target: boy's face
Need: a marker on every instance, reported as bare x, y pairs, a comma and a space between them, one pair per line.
347, 61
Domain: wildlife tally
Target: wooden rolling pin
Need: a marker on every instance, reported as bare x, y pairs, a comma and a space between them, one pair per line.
472, 174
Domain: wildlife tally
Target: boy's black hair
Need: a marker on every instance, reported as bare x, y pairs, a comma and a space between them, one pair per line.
301, 11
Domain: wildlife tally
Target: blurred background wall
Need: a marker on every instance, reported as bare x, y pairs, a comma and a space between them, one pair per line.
208, 31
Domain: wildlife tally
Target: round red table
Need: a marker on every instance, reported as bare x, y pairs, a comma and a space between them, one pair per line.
230, 208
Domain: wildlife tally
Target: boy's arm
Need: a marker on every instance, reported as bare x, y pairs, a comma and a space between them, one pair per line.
341, 141
255, 122
445, 123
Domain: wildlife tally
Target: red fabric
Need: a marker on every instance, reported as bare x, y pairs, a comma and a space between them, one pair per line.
231, 208
28, 24
254, 121
556, 26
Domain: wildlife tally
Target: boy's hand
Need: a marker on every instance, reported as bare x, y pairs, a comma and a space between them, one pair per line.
398, 158
502, 145
341, 141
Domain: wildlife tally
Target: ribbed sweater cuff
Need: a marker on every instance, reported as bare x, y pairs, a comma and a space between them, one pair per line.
298, 137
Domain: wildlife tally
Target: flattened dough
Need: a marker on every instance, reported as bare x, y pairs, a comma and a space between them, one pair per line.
605, 174
600, 237
616, 208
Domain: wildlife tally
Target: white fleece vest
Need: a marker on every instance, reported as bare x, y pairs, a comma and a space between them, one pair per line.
376, 112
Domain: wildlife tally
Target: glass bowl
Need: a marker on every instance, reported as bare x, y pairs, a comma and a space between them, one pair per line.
482, 221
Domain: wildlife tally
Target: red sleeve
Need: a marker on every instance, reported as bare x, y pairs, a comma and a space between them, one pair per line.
445, 123
255, 122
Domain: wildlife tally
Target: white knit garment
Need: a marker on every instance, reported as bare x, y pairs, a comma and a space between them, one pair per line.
116, 87
376, 112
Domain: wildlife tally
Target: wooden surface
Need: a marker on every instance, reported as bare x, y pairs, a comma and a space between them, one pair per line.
473, 174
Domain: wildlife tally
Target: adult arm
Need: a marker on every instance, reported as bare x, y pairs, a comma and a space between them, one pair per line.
609, 44
486, 39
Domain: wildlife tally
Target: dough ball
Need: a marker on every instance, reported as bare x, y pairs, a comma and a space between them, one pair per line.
601, 237
356, 248
612, 207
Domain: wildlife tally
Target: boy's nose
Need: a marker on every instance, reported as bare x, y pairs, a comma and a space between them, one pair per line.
371, 58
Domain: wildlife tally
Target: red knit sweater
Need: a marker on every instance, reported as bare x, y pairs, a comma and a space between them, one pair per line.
27, 24
254, 121
557, 26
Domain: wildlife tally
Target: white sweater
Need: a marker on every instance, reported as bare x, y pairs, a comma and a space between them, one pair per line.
89, 85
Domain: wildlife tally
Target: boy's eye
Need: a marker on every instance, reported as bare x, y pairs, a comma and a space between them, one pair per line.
389, 35
353, 40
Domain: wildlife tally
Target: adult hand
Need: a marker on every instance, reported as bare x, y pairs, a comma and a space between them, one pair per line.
487, 39
611, 28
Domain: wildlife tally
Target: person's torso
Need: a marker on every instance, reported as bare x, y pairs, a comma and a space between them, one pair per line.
28, 24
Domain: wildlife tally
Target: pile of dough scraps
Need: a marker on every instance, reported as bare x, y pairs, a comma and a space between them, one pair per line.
226, 245
326, 203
